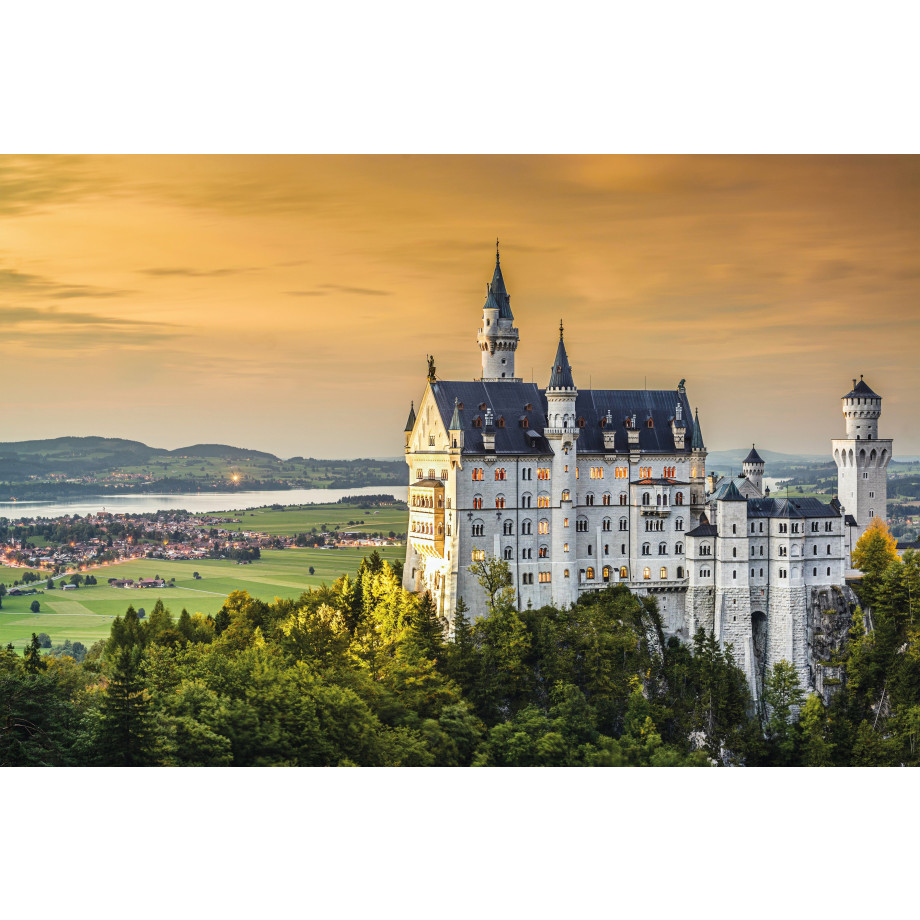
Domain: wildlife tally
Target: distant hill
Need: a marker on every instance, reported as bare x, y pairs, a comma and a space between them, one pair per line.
734, 458
222, 452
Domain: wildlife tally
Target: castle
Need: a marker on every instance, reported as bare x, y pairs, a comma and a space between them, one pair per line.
578, 489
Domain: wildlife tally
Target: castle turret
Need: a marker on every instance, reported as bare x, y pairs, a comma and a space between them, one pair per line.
697, 469
410, 424
752, 468
862, 459
562, 433
498, 339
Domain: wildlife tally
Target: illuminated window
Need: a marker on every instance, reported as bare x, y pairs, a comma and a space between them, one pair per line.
624, 572
543, 472
477, 502
545, 578
565, 522
679, 498
477, 475
543, 501
646, 573
606, 499
499, 474
650, 423
589, 574
565, 495
543, 552
500, 502
565, 547
576, 471
543, 527
645, 472
565, 573
606, 573
621, 472
664, 572
479, 555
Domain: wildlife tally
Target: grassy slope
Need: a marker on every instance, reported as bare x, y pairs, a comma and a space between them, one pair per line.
87, 613
302, 518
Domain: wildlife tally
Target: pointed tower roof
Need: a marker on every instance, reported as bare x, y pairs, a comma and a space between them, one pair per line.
498, 290
697, 442
861, 389
410, 424
731, 494
456, 423
561, 377
753, 457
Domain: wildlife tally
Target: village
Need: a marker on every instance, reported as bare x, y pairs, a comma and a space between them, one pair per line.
72, 543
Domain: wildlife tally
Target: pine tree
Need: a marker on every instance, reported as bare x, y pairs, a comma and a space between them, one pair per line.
33, 657
782, 693
124, 738
185, 627
427, 628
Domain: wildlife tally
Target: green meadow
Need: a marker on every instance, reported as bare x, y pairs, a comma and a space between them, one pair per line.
303, 518
86, 614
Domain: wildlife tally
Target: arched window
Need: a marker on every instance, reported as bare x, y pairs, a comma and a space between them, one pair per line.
606, 524
658, 499
646, 549
679, 498
624, 525
664, 573
544, 552
526, 527
566, 496
646, 498
662, 549
623, 498
678, 549
624, 572
606, 573
590, 574
544, 527
508, 528
477, 528
606, 498
646, 573
680, 571
508, 552
589, 498
500, 501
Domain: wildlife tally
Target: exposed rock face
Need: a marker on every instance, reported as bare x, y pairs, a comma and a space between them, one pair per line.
829, 618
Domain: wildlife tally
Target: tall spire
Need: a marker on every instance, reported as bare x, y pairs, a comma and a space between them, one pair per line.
561, 377
456, 424
498, 290
410, 424
697, 442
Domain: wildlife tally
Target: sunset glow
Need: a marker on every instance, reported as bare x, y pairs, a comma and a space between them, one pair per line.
287, 304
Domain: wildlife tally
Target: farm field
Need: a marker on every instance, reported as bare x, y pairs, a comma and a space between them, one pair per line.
303, 518
86, 614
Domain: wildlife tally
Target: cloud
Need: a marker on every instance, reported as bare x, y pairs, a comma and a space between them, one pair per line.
341, 288
34, 183
15, 282
12, 317
191, 272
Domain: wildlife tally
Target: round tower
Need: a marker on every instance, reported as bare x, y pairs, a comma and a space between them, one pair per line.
752, 468
862, 408
497, 338
862, 460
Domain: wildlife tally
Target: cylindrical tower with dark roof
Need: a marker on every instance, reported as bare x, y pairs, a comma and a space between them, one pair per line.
497, 338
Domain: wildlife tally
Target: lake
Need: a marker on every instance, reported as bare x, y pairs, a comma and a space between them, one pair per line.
195, 502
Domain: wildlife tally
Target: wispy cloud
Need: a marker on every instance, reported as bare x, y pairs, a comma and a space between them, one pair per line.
191, 272
325, 289
14, 282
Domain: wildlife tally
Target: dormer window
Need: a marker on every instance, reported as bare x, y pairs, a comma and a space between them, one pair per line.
528, 407
581, 422
650, 423
477, 422
501, 422
483, 407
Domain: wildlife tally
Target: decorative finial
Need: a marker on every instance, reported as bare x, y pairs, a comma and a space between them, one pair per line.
560, 328
496, 249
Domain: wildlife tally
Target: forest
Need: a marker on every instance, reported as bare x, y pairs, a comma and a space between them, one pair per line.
359, 673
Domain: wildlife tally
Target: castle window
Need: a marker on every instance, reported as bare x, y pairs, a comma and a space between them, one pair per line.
479, 555
501, 419
664, 573
477, 503
624, 525
705, 550
545, 578
606, 499
543, 501
581, 525
650, 423
646, 498
607, 524
589, 574
500, 501
828, 526
646, 549
477, 475
431, 440
581, 422
782, 551
622, 549
645, 472
543, 527
734, 552
814, 571
622, 498
508, 552
606, 549
565, 547
508, 528
528, 407
646, 573
606, 573
680, 571
566, 496
828, 549
590, 550
499, 474
624, 572
679, 498
477, 529
662, 549
828, 570
418, 474
477, 422
565, 522
543, 552
589, 498
525, 527
525, 500
871, 512
814, 551
679, 524
734, 574
678, 548
621, 472
814, 526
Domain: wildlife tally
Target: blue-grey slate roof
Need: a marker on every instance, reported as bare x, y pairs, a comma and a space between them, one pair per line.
508, 399
731, 494
560, 377
861, 389
697, 442
753, 457
410, 424
498, 291
791, 508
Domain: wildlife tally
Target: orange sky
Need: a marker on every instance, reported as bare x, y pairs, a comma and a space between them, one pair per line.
287, 303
